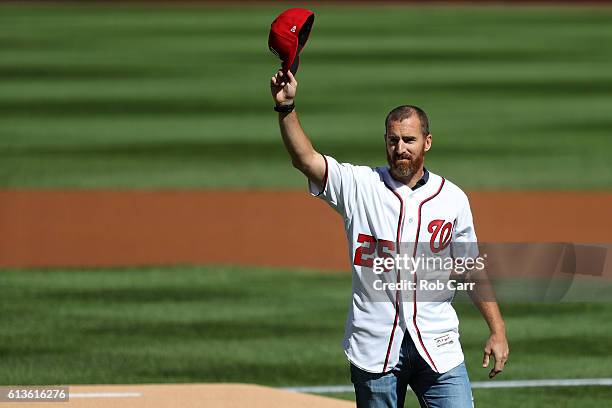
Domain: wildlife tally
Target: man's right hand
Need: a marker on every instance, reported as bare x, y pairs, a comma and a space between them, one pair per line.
283, 87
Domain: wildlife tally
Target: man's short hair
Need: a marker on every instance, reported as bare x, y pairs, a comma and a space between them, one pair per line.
406, 111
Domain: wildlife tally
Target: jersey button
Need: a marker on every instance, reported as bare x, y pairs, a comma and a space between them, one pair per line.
410, 220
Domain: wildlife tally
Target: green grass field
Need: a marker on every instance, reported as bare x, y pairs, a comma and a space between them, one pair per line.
153, 96
177, 97
268, 326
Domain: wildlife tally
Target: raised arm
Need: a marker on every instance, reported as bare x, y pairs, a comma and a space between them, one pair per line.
303, 156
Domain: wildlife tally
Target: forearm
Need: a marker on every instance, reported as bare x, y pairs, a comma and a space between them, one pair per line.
296, 141
496, 346
490, 312
303, 155
483, 297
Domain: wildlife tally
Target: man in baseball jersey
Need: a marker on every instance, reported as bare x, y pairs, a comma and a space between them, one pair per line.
404, 337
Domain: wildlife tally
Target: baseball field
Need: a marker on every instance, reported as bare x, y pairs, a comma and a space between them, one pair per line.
142, 179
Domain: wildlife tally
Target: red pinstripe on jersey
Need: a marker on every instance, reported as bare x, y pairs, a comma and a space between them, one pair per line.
324, 176
416, 242
397, 298
400, 223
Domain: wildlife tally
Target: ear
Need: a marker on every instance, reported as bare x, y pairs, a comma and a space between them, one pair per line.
428, 142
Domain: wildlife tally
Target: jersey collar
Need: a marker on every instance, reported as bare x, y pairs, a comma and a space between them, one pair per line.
423, 179
397, 185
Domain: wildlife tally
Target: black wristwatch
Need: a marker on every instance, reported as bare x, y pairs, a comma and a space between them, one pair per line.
285, 108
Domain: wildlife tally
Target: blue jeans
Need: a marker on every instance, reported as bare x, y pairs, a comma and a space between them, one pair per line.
433, 390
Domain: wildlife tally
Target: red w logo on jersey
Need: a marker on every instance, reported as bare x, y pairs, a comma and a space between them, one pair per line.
441, 235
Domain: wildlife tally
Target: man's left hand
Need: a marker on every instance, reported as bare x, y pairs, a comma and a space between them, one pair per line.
497, 345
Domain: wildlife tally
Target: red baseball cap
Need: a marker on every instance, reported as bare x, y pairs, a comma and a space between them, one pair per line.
288, 35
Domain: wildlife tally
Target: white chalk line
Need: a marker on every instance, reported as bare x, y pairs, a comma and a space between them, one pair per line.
330, 389
578, 382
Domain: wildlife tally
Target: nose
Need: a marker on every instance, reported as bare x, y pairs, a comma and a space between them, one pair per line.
401, 148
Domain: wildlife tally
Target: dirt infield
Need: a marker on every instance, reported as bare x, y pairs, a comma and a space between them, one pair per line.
186, 396
111, 228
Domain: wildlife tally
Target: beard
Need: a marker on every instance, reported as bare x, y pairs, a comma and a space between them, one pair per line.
404, 166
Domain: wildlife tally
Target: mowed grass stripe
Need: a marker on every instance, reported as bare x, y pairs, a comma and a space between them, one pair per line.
277, 327
145, 97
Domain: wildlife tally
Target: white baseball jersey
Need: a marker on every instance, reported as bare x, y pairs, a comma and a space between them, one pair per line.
376, 208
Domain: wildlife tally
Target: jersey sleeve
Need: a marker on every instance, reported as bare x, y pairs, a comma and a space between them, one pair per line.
339, 186
464, 242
